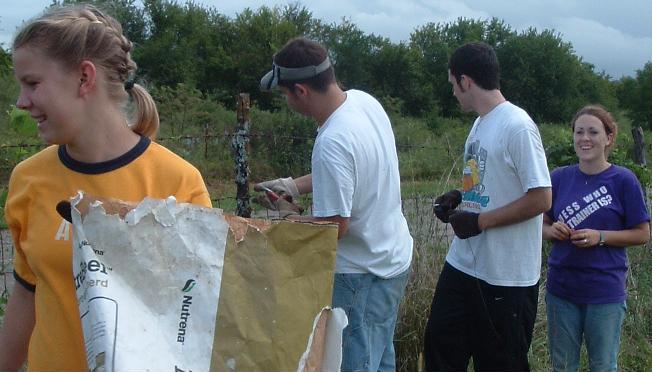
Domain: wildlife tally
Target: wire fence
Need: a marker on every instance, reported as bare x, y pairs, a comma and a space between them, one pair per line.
257, 155
417, 206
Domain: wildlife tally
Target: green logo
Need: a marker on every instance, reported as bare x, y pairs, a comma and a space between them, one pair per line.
190, 284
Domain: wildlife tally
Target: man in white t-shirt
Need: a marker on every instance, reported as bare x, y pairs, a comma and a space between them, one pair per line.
485, 302
355, 182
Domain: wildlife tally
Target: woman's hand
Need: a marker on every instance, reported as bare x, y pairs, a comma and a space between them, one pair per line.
559, 231
585, 238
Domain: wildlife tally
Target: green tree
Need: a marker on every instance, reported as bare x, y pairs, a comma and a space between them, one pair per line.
432, 51
394, 73
260, 34
539, 73
5, 62
8, 93
636, 96
594, 87
127, 12
204, 49
435, 42
350, 50
625, 88
179, 34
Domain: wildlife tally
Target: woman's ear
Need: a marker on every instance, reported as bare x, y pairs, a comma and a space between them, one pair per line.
87, 77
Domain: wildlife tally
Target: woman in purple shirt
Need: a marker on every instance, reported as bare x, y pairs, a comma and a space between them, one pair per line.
598, 209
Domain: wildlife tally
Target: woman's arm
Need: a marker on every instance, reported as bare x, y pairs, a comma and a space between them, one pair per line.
637, 235
17, 329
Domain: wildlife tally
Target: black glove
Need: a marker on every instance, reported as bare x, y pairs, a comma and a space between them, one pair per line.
465, 224
63, 207
446, 203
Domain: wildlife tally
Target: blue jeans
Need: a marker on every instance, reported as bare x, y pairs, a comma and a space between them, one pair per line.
371, 304
598, 324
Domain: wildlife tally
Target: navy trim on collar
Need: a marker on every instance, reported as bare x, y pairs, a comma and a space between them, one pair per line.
105, 166
30, 287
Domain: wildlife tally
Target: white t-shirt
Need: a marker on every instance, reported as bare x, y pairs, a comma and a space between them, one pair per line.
355, 174
503, 159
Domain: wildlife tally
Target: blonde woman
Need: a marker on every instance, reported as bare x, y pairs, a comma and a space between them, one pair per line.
74, 68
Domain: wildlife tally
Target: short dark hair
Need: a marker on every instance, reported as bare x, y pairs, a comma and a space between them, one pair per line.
479, 62
302, 52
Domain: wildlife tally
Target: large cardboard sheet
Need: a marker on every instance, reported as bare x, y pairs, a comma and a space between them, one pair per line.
277, 277
178, 287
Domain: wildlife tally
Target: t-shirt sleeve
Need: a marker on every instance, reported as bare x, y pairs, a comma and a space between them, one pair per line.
554, 180
333, 179
634, 201
528, 155
191, 188
16, 208
199, 194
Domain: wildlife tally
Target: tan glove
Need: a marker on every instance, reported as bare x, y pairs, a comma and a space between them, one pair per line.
285, 208
282, 205
281, 186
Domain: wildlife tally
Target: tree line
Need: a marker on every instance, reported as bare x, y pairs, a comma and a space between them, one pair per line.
221, 56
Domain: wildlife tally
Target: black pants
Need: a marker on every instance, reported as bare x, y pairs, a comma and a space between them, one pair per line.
471, 318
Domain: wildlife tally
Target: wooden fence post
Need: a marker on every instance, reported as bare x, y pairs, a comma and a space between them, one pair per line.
206, 136
239, 146
639, 146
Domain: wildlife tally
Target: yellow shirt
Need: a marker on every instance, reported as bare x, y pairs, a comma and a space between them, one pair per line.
42, 239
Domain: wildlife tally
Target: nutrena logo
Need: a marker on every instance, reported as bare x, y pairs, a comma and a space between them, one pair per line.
190, 284
185, 310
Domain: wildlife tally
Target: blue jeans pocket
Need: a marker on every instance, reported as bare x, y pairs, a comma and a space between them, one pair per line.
370, 304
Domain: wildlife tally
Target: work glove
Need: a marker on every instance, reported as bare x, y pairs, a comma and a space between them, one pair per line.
281, 186
465, 224
444, 204
286, 208
278, 203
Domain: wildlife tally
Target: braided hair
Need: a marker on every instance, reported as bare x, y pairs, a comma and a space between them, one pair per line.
72, 34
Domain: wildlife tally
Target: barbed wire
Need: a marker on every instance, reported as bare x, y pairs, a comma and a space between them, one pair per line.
227, 135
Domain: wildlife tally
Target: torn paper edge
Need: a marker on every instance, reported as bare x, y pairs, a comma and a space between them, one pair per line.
332, 341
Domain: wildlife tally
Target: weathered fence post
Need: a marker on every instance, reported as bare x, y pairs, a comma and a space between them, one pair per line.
239, 146
639, 146
206, 136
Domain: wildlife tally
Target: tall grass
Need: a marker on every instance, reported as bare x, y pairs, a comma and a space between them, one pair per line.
431, 245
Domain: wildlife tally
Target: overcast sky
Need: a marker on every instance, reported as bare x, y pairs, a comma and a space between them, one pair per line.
615, 36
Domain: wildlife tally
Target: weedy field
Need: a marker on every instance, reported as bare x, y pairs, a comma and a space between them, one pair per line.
431, 245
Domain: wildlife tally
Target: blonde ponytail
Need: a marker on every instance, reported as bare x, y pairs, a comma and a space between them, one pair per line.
146, 121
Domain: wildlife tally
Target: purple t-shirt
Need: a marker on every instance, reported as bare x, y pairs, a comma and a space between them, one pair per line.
611, 200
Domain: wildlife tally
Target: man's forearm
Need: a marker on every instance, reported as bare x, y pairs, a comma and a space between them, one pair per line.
304, 184
533, 203
342, 222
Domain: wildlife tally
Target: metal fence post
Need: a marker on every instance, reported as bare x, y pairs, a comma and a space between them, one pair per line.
239, 146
